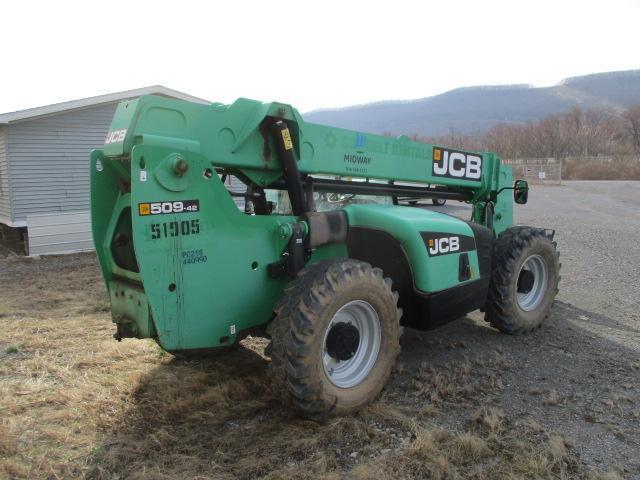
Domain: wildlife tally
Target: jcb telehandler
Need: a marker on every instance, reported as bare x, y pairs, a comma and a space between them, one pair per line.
324, 260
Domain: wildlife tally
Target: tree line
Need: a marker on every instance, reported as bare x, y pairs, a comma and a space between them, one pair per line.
578, 133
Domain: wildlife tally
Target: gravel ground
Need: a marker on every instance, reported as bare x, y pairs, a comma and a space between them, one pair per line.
578, 375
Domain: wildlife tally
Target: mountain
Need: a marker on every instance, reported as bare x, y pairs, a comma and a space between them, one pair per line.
475, 109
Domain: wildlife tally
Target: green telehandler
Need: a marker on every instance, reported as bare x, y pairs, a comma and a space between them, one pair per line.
326, 259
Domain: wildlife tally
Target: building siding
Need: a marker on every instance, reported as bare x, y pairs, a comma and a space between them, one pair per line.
54, 233
49, 160
5, 196
233, 184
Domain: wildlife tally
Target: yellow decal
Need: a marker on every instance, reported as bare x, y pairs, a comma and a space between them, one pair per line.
436, 155
286, 137
431, 242
144, 209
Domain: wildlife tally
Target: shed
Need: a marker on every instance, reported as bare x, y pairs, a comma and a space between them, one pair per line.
44, 168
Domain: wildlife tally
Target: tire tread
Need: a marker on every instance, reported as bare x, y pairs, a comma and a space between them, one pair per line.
508, 248
292, 331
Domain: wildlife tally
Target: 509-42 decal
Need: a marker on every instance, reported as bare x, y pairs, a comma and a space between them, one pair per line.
175, 228
163, 208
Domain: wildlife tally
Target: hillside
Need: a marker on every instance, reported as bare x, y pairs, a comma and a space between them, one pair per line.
474, 109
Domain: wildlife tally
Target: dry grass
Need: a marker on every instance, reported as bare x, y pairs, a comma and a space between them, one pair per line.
553, 398
601, 170
491, 449
76, 404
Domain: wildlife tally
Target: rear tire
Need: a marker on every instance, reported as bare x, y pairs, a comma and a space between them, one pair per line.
524, 280
335, 338
438, 202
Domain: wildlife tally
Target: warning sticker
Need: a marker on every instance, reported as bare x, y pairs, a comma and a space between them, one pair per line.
286, 137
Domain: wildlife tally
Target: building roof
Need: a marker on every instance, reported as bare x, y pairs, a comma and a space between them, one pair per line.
30, 113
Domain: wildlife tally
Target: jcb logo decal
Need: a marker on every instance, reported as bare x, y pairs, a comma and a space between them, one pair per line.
445, 243
117, 136
454, 164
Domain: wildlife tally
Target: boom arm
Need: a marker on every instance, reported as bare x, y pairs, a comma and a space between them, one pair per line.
242, 138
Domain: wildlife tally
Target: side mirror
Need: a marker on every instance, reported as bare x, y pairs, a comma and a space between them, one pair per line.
520, 191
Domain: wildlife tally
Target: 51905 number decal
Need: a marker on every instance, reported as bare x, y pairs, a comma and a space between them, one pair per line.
175, 228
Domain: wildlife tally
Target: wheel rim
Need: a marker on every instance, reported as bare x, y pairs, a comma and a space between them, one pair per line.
533, 281
346, 364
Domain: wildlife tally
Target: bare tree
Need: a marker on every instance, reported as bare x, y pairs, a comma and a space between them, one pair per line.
577, 133
632, 126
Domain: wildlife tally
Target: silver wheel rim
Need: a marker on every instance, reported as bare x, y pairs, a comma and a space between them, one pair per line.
351, 372
530, 300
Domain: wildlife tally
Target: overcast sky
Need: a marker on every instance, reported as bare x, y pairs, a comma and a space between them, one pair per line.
309, 54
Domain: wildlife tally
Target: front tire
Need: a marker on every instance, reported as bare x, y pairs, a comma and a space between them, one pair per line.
524, 280
335, 338
438, 202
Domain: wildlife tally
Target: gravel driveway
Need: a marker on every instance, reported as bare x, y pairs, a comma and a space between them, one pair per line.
578, 375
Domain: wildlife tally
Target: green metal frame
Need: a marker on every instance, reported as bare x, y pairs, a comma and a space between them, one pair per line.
207, 283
